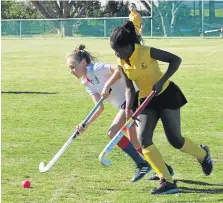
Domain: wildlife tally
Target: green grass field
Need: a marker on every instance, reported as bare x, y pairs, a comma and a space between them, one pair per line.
42, 103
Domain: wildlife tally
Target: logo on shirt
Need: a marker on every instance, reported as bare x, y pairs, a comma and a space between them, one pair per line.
144, 66
96, 79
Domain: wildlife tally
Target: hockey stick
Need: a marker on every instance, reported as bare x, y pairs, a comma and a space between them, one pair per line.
120, 133
43, 168
209, 31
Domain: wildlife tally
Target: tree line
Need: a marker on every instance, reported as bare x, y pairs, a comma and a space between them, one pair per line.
62, 9
166, 13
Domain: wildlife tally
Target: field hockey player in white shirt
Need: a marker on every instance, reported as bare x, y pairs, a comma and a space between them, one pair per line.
99, 78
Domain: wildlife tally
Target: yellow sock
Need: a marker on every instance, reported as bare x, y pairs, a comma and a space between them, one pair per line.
193, 149
155, 159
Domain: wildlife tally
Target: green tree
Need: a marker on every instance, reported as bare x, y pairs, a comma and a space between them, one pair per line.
18, 10
116, 8
67, 9
167, 14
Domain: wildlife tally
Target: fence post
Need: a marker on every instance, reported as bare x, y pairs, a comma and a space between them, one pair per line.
202, 17
105, 34
151, 19
61, 28
20, 29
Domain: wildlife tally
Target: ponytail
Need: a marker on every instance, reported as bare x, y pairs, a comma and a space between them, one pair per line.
80, 53
124, 35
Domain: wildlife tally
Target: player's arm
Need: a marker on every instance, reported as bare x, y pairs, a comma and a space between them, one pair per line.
164, 56
174, 63
114, 77
95, 97
129, 92
112, 80
142, 25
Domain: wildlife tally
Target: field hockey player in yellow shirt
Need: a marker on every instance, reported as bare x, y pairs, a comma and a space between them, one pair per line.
136, 18
139, 63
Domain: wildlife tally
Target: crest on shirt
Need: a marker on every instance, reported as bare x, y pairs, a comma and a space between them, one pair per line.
96, 79
93, 81
144, 66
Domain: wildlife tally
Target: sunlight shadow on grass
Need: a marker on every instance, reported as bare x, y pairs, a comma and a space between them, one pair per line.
27, 92
197, 182
198, 190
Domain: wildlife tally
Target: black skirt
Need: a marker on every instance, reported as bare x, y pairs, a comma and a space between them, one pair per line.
171, 98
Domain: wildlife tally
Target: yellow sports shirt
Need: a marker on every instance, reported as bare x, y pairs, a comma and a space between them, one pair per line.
144, 70
134, 17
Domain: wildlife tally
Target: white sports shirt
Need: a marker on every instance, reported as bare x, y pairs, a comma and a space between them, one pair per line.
98, 74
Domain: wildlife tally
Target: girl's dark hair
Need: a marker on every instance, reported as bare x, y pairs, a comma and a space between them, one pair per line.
132, 4
80, 53
124, 35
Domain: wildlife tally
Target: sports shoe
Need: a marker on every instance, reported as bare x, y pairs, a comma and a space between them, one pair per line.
141, 171
165, 188
156, 177
207, 163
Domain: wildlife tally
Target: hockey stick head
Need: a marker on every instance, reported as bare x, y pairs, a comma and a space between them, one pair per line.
103, 160
42, 168
103, 155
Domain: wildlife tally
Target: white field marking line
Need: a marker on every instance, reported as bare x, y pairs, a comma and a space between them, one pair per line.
57, 194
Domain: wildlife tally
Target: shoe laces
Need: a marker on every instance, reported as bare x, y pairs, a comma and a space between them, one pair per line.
137, 171
162, 183
139, 167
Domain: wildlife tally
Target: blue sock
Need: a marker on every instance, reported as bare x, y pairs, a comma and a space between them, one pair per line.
130, 150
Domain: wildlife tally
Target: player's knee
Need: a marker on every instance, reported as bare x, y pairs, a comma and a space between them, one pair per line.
145, 141
177, 142
177, 145
111, 133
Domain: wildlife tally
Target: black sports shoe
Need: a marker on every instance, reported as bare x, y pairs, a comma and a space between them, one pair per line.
165, 188
141, 171
156, 177
207, 163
